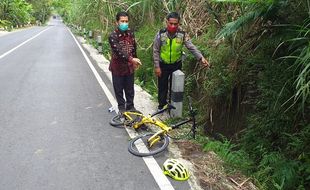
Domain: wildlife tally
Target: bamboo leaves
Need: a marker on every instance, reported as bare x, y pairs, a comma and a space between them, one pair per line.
232, 27
246, 1
134, 4
254, 10
299, 48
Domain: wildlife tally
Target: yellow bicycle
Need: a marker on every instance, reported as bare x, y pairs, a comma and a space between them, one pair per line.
153, 143
136, 119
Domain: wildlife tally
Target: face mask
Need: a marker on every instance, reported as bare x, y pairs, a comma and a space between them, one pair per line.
123, 27
172, 29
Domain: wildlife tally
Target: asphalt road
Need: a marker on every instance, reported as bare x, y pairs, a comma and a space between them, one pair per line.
54, 131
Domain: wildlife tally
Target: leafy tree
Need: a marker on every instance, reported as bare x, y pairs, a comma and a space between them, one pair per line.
16, 12
273, 46
41, 9
257, 91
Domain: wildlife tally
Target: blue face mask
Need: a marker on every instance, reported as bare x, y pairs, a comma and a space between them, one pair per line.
123, 27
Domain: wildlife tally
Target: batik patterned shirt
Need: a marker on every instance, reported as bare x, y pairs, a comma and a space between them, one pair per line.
123, 46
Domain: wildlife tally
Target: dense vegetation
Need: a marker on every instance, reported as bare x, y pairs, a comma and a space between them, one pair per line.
254, 101
14, 13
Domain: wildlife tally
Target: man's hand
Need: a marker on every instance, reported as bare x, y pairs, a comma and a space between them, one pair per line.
136, 63
158, 71
204, 62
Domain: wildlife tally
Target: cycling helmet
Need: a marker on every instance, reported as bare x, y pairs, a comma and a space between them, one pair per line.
175, 169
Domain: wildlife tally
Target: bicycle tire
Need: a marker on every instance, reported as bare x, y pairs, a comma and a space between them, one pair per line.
120, 120
155, 149
117, 121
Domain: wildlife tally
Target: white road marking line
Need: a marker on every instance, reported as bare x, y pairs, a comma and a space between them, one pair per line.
160, 178
10, 51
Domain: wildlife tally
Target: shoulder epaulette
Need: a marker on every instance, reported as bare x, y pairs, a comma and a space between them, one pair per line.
162, 30
181, 31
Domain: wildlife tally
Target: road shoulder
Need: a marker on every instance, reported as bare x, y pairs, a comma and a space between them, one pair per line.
206, 168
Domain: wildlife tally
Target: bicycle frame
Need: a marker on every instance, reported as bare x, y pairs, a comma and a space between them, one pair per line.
150, 120
128, 113
165, 129
158, 141
156, 137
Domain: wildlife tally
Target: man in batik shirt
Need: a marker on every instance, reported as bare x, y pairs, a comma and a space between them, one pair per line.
123, 63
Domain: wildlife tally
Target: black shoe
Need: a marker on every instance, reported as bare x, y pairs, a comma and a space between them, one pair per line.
132, 108
121, 111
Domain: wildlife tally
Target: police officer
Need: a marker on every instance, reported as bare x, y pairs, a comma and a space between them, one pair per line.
167, 54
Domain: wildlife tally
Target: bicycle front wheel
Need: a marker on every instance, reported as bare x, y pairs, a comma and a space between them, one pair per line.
139, 145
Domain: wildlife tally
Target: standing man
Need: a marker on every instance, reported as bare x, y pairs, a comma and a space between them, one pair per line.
167, 54
123, 63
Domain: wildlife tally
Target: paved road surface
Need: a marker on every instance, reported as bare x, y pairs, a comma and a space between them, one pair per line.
54, 131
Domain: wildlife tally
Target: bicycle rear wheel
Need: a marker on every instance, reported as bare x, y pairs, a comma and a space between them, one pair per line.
139, 146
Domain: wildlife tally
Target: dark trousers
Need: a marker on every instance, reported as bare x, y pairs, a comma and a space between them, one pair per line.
164, 82
123, 84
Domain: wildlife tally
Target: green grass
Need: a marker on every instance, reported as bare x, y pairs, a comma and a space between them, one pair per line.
145, 76
270, 137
